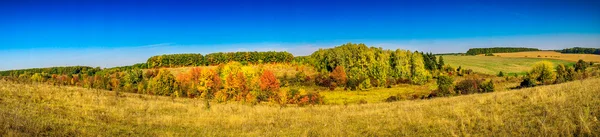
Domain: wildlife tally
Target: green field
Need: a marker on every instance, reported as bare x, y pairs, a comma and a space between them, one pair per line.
569, 109
493, 64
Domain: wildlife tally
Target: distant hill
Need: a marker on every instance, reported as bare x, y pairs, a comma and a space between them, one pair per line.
477, 51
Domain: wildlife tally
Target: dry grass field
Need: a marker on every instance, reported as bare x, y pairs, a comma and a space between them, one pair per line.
552, 55
568, 109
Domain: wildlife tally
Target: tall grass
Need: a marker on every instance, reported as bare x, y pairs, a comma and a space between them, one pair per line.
568, 109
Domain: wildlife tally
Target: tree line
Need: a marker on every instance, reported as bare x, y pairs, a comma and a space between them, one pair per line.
183, 60
580, 50
477, 51
53, 70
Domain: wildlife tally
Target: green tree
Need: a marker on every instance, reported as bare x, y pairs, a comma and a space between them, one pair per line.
440, 63
445, 86
419, 74
561, 74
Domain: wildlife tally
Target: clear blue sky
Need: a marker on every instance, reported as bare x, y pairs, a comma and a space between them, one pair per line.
112, 33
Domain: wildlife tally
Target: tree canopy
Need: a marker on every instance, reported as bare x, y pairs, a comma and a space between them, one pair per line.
477, 51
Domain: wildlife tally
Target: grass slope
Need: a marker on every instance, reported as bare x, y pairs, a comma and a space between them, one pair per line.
41, 110
493, 64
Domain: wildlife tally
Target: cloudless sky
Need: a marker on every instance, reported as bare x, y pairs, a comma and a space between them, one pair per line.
32, 32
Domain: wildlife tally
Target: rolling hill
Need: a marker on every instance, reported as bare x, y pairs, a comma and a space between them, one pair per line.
564, 109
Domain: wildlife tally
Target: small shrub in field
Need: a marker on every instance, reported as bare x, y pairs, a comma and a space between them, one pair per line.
311, 98
487, 86
445, 86
580, 66
468, 86
392, 99
527, 82
362, 101
500, 74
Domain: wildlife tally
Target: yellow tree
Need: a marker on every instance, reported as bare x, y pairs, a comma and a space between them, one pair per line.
542, 72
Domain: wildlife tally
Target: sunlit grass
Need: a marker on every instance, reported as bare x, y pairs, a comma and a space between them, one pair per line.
569, 109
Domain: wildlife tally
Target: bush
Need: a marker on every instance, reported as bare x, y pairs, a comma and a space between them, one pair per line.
339, 75
543, 72
580, 66
487, 86
527, 82
445, 86
500, 74
392, 99
468, 86
311, 98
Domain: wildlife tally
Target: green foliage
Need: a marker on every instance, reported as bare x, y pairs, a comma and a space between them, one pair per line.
580, 50
527, 82
501, 74
561, 74
477, 51
375, 64
440, 63
400, 64
53, 70
430, 61
131, 79
445, 86
365, 84
419, 74
175, 60
181, 60
249, 57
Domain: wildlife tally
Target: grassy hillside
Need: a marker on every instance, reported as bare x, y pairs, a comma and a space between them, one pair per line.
42, 110
494, 64
553, 55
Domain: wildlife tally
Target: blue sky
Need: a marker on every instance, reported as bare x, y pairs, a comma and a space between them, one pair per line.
115, 33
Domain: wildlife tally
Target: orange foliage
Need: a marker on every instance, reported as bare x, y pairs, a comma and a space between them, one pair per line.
269, 83
339, 75
236, 85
